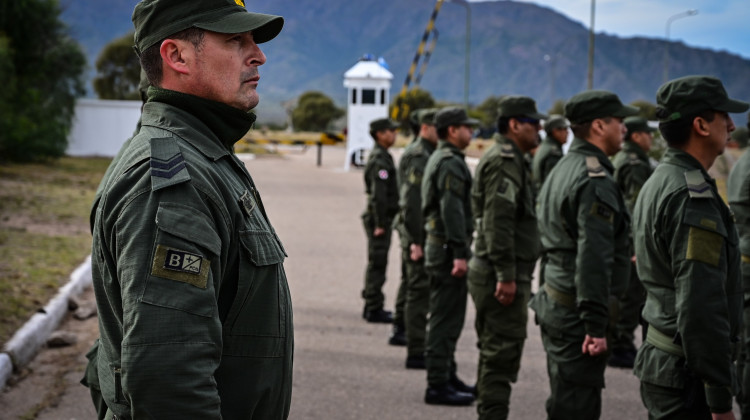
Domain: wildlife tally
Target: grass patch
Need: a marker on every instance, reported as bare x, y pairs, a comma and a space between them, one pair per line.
44, 231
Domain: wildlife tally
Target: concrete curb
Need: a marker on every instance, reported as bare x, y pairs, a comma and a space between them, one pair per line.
27, 341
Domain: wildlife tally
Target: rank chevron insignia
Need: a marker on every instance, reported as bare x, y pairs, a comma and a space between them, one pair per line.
167, 169
697, 185
594, 167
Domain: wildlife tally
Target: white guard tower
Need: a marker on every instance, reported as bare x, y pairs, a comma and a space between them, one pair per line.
369, 84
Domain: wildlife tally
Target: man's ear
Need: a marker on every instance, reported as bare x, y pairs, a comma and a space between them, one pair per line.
700, 126
175, 55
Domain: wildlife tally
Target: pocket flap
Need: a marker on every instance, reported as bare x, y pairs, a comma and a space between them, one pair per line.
704, 221
263, 247
188, 223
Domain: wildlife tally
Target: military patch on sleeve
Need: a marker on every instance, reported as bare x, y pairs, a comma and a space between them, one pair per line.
704, 246
506, 151
507, 190
415, 177
594, 167
168, 166
603, 211
454, 184
383, 174
633, 159
698, 187
182, 266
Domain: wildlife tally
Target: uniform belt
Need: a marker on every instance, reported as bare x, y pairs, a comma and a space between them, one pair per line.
564, 299
435, 239
745, 258
663, 342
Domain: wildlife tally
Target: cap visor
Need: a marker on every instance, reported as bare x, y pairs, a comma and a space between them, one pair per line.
264, 27
733, 106
538, 116
470, 121
626, 111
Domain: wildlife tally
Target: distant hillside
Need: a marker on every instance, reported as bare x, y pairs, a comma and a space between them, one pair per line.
509, 40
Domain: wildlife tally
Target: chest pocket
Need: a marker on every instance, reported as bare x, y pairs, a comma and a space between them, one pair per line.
260, 317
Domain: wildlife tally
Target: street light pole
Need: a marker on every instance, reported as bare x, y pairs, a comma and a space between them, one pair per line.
590, 78
687, 13
467, 49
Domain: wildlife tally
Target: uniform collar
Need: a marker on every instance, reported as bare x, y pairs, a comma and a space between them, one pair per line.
684, 159
633, 147
501, 139
552, 142
429, 147
585, 148
225, 123
442, 144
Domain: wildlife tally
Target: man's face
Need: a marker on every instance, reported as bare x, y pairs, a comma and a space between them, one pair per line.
226, 69
429, 133
720, 130
386, 138
644, 139
525, 131
560, 134
464, 133
614, 133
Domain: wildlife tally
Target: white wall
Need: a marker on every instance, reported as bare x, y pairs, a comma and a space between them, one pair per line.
100, 127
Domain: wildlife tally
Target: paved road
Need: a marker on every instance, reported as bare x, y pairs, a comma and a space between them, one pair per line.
344, 368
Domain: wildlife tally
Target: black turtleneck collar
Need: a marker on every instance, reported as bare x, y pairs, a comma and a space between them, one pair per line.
228, 123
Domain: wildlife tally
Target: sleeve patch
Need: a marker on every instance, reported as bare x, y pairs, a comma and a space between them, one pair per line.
697, 185
383, 174
455, 185
603, 212
415, 177
182, 266
594, 167
704, 246
507, 190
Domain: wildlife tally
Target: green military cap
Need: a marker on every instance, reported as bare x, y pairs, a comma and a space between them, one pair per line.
383, 124
414, 117
555, 121
447, 117
592, 104
740, 136
427, 116
689, 95
518, 106
155, 20
638, 124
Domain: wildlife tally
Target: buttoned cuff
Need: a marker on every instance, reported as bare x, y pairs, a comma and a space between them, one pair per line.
718, 398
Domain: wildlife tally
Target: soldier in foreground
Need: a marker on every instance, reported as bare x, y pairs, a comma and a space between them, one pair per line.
410, 226
506, 251
688, 259
632, 169
382, 206
584, 228
550, 150
181, 234
446, 207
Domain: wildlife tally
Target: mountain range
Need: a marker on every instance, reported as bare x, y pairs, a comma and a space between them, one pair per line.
516, 48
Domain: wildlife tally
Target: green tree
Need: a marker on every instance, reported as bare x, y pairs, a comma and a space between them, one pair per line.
647, 109
413, 100
118, 70
314, 112
41, 68
557, 108
487, 111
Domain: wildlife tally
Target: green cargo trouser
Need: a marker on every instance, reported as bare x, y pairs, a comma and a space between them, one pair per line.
447, 314
417, 305
665, 403
377, 260
501, 331
631, 304
576, 379
398, 313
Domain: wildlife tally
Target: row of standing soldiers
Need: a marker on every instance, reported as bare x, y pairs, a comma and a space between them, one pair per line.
617, 242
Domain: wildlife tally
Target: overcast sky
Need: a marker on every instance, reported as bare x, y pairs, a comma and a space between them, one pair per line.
719, 24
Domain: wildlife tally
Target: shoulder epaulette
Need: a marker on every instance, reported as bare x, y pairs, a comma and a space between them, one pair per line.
633, 159
168, 166
506, 151
698, 187
594, 167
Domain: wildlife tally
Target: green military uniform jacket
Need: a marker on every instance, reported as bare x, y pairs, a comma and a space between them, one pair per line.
503, 206
411, 169
584, 228
546, 157
381, 187
688, 259
194, 308
446, 206
632, 169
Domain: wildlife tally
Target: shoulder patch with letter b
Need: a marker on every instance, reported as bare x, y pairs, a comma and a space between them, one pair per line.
182, 266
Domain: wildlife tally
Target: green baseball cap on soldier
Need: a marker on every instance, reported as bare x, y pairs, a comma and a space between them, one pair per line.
414, 117
427, 116
383, 124
155, 20
555, 121
447, 117
592, 104
638, 124
689, 95
518, 106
